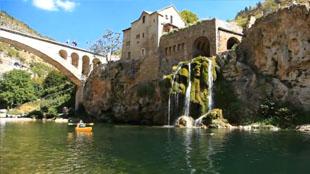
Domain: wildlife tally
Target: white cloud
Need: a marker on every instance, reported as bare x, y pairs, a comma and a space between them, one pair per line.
66, 5
54, 5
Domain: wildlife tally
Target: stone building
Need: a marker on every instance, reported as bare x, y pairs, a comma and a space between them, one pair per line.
142, 38
163, 35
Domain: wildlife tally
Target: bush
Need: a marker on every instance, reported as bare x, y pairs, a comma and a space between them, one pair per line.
280, 114
16, 88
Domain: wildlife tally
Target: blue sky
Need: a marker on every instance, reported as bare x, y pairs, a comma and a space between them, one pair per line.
85, 20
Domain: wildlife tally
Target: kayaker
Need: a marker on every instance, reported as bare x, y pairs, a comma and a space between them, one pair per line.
81, 124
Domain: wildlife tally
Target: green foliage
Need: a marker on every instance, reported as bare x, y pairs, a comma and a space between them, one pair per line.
57, 93
40, 69
280, 114
16, 88
54, 82
53, 105
146, 90
189, 17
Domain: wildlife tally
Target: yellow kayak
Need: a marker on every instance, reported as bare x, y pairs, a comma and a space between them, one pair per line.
83, 129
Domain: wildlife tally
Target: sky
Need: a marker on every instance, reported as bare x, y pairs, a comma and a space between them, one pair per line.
86, 20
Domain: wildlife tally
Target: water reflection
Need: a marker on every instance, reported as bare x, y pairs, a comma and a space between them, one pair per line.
79, 151
200, 147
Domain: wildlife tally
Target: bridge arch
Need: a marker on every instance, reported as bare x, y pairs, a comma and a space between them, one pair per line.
63, 54
75, 59
232, 41
85, 65
201, 47
58, 64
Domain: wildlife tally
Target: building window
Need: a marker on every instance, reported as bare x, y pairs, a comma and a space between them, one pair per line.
182, 46
166, 51
138, 36
174, 46
143, 19
128, 43
143, 52
179, 47
154, 20
142, 35
166, 17
169, 52
128, 55
171, 19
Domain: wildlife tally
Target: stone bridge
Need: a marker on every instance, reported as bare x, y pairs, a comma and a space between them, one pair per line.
74, 62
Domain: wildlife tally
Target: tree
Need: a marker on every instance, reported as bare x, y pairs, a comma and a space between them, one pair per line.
16, 88
188, 17
56, 82
58, 93
107, 45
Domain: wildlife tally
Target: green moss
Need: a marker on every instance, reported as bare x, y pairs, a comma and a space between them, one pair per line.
199, 81
183, 72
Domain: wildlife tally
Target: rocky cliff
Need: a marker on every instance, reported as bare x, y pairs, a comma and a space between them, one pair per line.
266, 77
116, 93
270, 74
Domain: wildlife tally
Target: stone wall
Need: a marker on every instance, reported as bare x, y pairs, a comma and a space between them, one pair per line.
182, 44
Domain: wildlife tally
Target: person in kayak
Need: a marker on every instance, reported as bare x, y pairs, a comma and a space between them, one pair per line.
81, 124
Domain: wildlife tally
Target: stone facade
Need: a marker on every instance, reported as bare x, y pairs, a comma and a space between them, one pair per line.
142, 38
155, 36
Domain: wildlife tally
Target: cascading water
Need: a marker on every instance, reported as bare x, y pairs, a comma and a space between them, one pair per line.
210, 85
188, 92
169, 100
210, 94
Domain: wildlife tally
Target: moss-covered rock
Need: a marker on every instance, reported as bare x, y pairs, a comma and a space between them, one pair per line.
180, 78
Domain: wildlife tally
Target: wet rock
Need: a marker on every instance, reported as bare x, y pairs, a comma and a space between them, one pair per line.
304, 128
185, 122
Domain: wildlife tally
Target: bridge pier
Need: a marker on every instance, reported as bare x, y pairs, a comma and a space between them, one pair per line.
79, 97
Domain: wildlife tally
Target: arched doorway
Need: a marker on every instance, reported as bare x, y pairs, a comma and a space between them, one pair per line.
231, 42
201, 47
75, 59
85, 65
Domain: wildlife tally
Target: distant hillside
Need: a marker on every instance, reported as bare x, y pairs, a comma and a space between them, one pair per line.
10, 22
263, 8
15, 58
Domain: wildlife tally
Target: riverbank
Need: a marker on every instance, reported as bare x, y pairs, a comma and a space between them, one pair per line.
57, 120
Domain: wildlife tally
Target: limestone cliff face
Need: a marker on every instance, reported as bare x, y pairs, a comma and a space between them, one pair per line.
272, 61
116, 93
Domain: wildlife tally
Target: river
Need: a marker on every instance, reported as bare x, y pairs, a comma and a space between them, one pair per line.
36, 147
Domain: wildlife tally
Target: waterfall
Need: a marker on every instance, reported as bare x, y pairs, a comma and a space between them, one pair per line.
198, 121
169, 100
188, 92
210, 85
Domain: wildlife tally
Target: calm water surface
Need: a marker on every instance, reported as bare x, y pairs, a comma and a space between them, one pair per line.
56, 148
